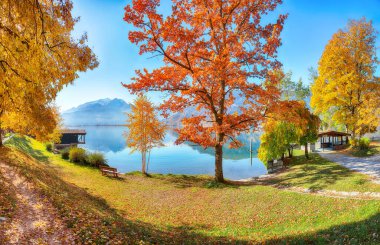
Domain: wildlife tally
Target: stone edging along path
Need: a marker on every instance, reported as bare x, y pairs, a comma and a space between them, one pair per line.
325, 193
336, 194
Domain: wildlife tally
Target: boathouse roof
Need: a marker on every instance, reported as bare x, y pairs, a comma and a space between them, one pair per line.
332, 133
73, 131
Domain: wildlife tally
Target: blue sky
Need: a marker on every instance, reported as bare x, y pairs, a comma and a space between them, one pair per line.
307, 30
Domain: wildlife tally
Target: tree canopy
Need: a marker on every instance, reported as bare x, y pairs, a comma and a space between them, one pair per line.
292, 90
295, 124
346, 86
277, 139
38, 57
218, 57
145, 131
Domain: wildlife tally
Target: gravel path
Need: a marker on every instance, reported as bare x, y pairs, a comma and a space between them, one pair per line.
35, 221
366, 165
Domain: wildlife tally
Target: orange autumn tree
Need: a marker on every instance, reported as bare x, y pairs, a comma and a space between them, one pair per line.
145, 130
38, 58
216, 56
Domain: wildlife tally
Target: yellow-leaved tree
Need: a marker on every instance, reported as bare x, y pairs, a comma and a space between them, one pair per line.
38, 57
346, 85
146, 131
293, 124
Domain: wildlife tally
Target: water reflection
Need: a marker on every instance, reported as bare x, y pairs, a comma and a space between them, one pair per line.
105, 138
175, 159
235, 154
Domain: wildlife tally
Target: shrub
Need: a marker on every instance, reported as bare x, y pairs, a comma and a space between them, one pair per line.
354, 142
77, 155
49, 146
364, 143
361, 144
65, 153
96, 159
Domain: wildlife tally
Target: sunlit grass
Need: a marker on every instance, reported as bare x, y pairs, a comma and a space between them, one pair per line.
193, 209
318, 173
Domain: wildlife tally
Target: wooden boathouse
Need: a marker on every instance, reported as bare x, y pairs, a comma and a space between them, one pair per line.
334, 140
71, 137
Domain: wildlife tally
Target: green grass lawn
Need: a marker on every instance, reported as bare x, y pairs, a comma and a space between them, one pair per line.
192, 209
318, 173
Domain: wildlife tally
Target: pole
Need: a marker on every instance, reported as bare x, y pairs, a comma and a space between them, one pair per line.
250, 145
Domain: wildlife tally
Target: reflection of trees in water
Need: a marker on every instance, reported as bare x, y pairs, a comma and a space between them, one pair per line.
105, 139
233, 154
111, 139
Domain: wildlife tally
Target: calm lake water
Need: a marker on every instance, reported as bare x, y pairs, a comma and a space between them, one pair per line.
174, 159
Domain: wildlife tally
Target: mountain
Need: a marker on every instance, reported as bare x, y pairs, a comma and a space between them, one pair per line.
99, 112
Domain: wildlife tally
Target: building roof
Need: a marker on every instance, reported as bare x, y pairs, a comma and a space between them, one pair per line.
333, 133
73, 131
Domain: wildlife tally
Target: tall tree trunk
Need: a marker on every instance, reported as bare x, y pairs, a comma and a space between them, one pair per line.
290, 152
306, 151
353, 135
219, 162
143, 165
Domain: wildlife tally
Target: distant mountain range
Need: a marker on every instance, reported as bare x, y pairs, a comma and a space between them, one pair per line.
109, 112
112, 112
99, 112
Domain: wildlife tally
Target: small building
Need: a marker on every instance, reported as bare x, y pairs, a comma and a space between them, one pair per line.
71, 137
333, 139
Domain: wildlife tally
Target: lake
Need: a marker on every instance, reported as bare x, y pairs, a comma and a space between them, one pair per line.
175, 159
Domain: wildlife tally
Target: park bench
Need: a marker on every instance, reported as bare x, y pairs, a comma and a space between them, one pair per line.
108, 170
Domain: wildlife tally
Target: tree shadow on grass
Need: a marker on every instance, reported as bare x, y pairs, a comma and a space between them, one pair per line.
316, 173
188, 181
362, 232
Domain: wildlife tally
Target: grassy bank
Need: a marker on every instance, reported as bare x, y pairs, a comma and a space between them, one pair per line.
373, 149
318, 173
188, 209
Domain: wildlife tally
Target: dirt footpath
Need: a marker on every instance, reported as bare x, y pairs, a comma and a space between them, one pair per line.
35, 221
